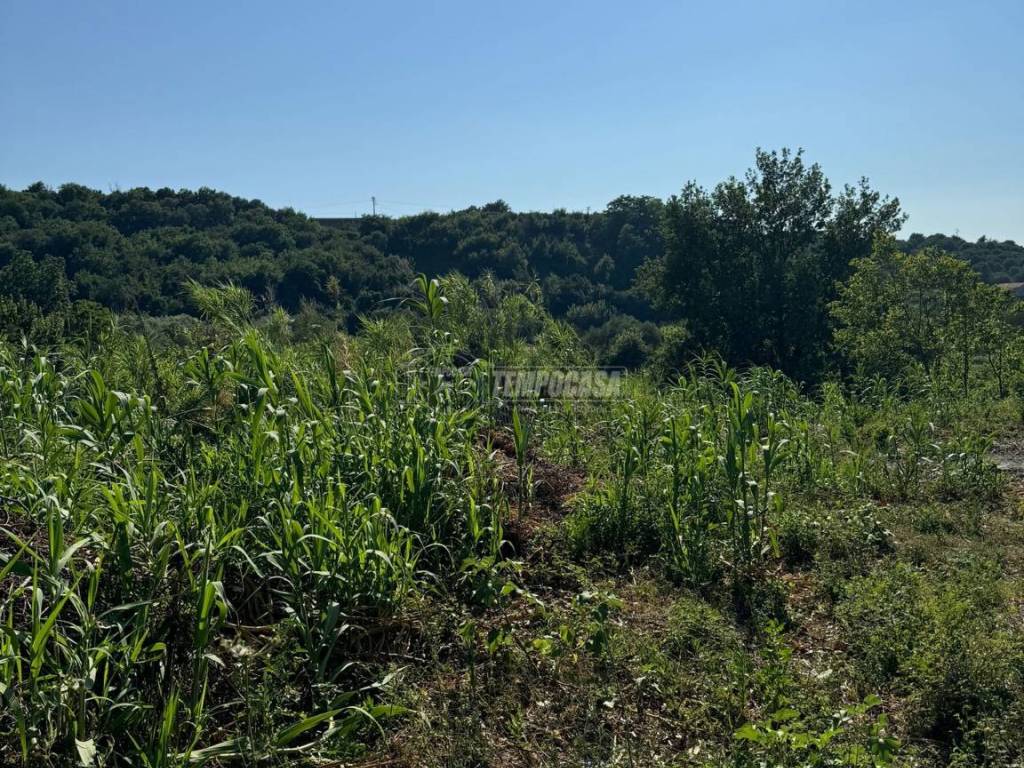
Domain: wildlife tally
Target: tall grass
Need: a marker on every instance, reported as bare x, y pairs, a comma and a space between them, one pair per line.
699, 474
190, 531
267, 498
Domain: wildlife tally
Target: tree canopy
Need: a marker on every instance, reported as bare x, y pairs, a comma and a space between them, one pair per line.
751, 265
748, 268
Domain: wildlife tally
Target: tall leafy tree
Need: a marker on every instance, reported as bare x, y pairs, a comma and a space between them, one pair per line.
751, 265
925, 309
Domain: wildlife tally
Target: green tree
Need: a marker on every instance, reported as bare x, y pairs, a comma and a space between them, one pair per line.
927, 309
752, 265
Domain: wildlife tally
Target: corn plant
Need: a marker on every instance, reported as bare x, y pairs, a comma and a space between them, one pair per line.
692, 516
522, 430
264, 490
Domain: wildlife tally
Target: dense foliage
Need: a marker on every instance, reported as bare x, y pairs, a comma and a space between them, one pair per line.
135, 251
751, 266
747, 269
925, 311
995, 261
228, 543
260, 502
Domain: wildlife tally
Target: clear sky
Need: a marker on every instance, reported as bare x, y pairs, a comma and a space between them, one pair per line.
548, 104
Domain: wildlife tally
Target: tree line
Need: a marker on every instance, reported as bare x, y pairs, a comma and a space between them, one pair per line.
750, 268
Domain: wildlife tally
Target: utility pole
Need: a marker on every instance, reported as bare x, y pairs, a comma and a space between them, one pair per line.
373, 200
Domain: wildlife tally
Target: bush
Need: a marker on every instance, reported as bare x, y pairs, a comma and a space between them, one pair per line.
696, 629
943, 643
847, 534
604, 521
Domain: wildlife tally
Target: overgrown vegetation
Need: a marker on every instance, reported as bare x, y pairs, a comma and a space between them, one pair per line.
253, 538
746, 269
996, 261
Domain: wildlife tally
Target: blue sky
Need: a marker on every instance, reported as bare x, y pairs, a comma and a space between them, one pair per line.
544, 104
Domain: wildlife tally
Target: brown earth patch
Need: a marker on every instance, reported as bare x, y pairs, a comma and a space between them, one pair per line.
552, 488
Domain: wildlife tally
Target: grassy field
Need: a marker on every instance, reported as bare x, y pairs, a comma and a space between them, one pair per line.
230, 549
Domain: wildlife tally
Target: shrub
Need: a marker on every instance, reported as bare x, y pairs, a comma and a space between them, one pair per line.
944, 643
